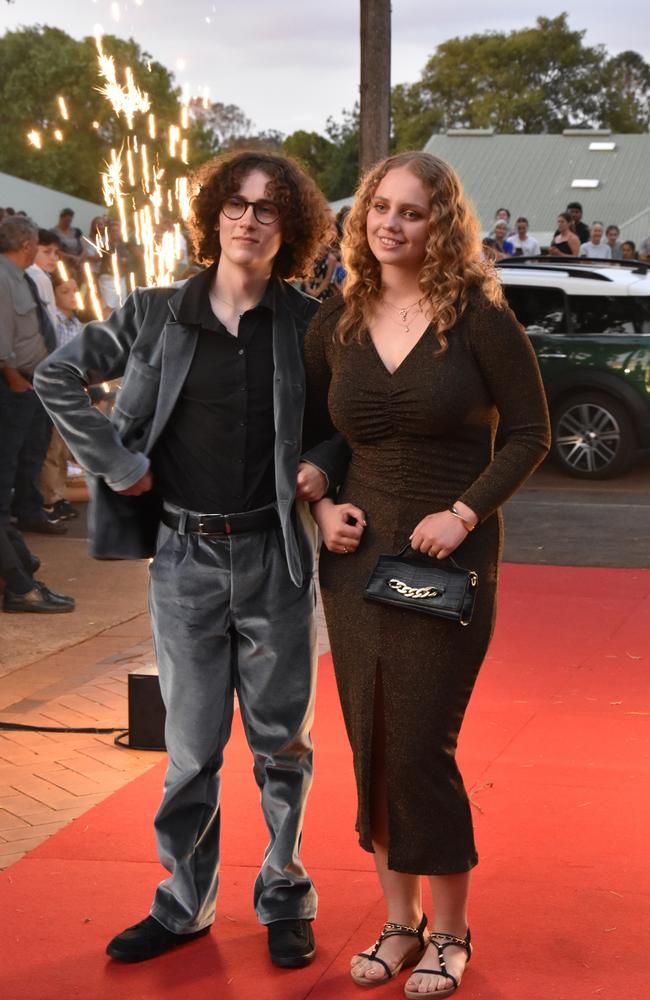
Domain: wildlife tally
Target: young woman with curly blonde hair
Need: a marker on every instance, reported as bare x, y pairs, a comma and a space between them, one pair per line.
416, 364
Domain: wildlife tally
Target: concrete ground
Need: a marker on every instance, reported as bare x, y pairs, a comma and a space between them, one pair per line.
70, 671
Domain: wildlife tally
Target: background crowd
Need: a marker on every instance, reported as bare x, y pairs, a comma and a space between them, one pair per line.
572, 238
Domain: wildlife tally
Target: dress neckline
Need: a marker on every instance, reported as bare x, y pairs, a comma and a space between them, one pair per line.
404, 359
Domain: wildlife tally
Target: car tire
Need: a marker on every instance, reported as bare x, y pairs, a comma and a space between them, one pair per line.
593, 436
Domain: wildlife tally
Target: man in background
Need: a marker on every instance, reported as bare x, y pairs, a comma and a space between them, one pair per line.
26, 338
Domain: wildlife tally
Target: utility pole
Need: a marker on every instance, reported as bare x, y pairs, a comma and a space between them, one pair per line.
375, 82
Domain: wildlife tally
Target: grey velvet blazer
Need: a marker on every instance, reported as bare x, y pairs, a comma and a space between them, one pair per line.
145, 346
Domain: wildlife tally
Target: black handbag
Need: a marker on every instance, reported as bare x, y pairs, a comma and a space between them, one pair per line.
420, 583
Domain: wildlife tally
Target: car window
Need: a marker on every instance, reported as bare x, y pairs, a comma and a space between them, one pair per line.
538, 308
610, 314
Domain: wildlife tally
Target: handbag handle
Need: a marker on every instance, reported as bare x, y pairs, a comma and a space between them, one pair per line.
403, 552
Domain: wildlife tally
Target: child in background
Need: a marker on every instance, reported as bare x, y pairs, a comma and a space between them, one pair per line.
55, 466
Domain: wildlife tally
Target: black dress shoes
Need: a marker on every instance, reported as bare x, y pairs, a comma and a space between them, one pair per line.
39, 600
148, 939
291, 943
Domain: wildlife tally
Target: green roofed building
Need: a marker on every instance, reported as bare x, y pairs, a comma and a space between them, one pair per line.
538, 175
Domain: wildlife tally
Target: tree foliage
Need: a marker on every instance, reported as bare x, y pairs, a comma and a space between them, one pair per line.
539, 79
39, 64
331, 159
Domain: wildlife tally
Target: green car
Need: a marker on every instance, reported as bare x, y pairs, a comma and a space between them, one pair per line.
589, 322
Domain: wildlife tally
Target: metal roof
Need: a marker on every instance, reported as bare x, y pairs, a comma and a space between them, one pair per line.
532, 175
43, 204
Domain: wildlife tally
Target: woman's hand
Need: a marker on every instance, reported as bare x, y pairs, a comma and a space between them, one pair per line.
311, 483
332, 519
440, 534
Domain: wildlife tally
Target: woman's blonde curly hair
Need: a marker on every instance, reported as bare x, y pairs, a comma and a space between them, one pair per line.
452, 266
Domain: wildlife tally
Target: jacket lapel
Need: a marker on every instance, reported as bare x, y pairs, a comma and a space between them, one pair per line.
179, 345
288, 405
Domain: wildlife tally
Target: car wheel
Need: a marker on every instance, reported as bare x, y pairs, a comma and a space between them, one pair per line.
593, 436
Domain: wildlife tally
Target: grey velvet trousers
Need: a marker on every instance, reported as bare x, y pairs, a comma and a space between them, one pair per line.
226, 617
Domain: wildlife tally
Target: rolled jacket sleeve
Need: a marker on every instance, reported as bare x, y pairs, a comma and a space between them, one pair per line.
98, 354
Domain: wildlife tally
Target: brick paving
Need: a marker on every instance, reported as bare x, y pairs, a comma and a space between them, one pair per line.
48, 779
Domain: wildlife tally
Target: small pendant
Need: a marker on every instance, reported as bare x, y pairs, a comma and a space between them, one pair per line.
407, 329
403, 313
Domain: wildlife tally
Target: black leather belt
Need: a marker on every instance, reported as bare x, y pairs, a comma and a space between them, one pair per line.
220, 524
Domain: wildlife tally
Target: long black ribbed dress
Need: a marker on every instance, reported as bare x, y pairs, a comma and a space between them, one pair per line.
421, 438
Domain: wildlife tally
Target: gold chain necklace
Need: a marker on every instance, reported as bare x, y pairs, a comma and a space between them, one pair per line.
403, 311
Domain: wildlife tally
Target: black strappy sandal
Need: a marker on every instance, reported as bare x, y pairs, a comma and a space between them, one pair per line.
448, 940
392, 930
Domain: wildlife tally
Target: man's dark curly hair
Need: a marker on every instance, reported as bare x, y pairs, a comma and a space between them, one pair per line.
305, 217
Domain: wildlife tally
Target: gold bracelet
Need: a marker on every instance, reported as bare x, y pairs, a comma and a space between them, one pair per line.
467, 525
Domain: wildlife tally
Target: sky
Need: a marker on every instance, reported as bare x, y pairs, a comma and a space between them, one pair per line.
290, 64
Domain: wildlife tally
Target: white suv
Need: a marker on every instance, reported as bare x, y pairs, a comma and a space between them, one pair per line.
589, 322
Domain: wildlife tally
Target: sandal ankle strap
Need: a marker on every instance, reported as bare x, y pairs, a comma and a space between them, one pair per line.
392, 929
448, 941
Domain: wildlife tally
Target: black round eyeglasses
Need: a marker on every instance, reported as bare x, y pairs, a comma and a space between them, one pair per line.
264, 211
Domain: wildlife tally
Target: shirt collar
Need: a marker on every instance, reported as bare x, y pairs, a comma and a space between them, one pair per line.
15, 272
195, 309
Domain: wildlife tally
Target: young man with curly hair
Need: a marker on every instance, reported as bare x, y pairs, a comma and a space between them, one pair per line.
203, 452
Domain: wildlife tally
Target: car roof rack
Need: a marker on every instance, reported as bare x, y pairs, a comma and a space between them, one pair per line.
581, 263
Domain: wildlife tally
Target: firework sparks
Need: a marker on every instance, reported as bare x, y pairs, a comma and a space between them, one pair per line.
58, 135
126, 99
152, 126
117, 280
183, 196
130, 167
35, 138
145, 168
61, 268
63, 108
92, 288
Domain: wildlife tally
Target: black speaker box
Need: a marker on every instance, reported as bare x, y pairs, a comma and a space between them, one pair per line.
146, 710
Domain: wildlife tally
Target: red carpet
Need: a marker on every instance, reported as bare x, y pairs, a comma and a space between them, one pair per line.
555, 753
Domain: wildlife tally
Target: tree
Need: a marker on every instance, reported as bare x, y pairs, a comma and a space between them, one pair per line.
39, 64
625, 100
331, 159
539, 79
223, 123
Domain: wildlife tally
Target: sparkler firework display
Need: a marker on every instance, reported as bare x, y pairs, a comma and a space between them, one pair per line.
142, 193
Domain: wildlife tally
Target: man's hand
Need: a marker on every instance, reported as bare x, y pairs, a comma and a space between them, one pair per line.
333, 520
311, 483
143, 485
16, 381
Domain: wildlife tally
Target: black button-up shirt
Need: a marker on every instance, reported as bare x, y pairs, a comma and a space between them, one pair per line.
215, 455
